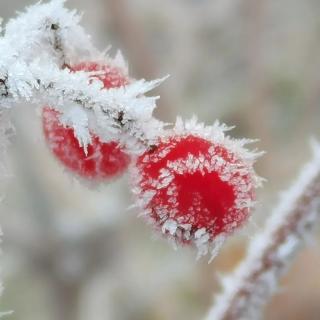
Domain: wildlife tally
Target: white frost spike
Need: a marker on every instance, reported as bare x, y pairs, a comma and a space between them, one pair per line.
150, 85
200, 233
120, 61
216, 133
170, 226
216, 246
201, 241
77, 119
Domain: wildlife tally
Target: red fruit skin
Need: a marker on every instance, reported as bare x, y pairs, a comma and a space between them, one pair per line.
111, 77
203, 196
103, 161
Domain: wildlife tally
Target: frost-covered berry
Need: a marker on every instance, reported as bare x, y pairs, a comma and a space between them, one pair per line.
101, 160
197, 186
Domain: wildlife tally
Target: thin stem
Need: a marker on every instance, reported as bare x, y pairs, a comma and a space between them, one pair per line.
251, 285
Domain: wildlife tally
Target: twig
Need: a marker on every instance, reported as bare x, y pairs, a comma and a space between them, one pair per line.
250, 286
123, 114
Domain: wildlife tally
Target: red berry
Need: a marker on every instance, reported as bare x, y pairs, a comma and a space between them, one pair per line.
103, 160
195, 190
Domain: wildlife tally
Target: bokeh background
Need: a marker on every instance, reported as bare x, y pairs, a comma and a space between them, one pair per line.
72, 252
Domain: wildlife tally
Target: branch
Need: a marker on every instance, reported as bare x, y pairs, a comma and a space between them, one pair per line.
251, 285
122, 114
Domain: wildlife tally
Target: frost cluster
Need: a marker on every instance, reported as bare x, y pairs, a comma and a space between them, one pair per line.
34, 49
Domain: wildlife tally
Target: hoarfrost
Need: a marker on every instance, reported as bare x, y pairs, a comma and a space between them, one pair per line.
54, 33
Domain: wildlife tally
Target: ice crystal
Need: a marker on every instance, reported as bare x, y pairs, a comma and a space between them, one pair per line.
54, 33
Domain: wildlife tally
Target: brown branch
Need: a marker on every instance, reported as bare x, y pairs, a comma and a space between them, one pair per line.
248, 289
4, 90
58, 43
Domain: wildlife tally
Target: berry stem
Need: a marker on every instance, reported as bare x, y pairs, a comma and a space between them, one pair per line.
249, 287
58, 44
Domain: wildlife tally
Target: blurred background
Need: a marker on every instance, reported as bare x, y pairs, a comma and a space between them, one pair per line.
72, 252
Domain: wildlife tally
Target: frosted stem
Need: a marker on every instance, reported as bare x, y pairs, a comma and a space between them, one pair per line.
123, 114
249, 287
